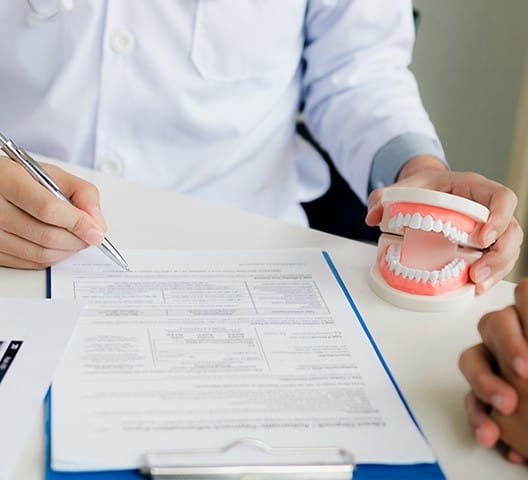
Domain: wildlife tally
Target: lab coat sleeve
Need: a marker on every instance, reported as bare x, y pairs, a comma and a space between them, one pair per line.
361, 100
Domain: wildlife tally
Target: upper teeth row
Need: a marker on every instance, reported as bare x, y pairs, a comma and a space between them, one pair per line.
451, 270
428, 224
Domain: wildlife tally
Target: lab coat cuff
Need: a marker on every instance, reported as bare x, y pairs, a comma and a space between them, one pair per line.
390, 158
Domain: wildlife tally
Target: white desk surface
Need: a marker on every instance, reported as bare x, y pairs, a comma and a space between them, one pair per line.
421, 349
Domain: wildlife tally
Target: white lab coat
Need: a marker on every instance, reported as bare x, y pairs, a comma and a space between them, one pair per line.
201, 96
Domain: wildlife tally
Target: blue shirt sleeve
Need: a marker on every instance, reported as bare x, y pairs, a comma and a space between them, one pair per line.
390, 158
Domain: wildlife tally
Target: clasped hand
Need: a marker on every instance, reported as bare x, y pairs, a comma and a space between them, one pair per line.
497, 371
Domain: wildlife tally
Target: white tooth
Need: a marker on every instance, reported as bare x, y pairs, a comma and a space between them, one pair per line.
441, 275
399, 219
416, 221
459, 236
411, 273
404, 272
465, 237
454, 271
461, 264
433, 277
452, 237
446, 228
393, 253
437, 226
425, 276
392, 223
427, 223
447, 273
406, 220
398, 269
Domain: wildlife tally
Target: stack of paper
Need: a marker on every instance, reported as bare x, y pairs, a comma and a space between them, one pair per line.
33, 337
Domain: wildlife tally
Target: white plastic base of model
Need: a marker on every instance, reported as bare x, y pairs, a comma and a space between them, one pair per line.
420, 303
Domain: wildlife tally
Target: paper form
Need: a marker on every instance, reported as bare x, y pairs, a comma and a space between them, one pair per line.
198, 349
33, 337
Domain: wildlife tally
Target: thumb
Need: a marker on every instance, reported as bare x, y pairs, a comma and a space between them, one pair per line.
375, 208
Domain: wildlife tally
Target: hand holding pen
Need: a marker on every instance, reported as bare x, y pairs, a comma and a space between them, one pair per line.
42, 226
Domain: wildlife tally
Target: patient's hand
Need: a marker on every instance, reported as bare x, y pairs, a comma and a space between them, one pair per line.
38, 229
514, 427
497, 371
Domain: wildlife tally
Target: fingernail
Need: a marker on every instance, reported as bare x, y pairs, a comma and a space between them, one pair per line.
489, 238
482, 274
497, 401
519, 365
93, 236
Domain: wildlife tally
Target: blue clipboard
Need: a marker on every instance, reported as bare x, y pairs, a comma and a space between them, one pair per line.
362, 471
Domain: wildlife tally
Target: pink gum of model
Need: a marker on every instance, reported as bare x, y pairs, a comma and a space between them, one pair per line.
428, 246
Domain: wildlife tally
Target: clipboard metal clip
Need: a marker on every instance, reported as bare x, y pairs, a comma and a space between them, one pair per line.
250, 459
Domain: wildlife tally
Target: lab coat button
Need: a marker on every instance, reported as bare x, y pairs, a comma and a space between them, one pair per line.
122, 42
111, 165
65, 5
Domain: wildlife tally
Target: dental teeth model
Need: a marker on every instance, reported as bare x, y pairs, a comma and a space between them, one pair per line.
428, 245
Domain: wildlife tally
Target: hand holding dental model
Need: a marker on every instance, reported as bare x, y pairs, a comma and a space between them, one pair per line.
423, 261
454, 245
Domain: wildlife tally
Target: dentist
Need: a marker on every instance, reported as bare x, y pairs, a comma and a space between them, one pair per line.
202, 96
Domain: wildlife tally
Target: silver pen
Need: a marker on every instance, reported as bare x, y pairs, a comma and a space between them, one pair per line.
17, 154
